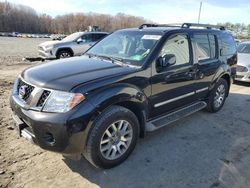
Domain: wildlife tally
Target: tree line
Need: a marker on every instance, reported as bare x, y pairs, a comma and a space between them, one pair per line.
239, 30
23, 19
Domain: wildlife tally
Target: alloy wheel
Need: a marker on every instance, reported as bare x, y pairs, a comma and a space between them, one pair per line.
116, 139
219, 96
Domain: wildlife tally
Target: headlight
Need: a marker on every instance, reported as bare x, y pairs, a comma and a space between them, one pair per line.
48, 48
60, 101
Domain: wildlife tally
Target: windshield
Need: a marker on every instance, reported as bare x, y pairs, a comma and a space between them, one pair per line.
131, 47
244, 48
72, 37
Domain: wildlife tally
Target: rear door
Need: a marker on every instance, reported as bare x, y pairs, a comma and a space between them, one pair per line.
206, 61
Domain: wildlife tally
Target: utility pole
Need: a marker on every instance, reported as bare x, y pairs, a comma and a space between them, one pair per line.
199, 12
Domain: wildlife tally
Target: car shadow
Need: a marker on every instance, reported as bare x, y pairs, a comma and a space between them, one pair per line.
197, 151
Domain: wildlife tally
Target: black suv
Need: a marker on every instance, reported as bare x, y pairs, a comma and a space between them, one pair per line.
131, 82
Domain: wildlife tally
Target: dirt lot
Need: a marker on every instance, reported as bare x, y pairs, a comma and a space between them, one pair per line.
203, 150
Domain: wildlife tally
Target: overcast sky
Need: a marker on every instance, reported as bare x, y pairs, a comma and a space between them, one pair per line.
160, 11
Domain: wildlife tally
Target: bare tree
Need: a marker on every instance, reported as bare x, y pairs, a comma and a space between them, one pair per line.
20, 18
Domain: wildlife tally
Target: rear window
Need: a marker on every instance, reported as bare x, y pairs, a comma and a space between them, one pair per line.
204, 47
228, 45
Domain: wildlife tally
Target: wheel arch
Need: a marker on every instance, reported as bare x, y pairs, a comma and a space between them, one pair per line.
226, 77
138, 110
224, 73
126, 96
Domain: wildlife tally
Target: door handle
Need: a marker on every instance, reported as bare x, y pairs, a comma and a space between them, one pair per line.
191, 72
196, 74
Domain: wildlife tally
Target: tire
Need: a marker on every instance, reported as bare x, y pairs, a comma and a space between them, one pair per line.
64, 54
96, 150
217, 96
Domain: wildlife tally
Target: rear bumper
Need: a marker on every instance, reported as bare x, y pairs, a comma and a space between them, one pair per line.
65, 133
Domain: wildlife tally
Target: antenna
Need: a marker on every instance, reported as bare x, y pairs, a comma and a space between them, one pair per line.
199, 12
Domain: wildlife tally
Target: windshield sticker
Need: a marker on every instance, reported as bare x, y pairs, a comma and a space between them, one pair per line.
151, 37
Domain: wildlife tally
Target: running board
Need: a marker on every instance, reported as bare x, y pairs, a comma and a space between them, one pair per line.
174, 116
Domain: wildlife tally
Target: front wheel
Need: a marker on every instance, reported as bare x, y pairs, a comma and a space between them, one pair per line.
112, 137
64, 54
217, 96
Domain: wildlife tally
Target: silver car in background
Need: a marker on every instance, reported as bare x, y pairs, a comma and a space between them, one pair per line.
72, 45
243, 64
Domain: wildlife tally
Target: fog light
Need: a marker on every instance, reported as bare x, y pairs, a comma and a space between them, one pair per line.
49, 139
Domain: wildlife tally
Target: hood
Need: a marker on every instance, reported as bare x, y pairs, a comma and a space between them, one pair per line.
47, 43
67, 73
54, 43
243, 59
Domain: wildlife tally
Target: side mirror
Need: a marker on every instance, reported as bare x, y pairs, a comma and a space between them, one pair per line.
79, 40
166, 61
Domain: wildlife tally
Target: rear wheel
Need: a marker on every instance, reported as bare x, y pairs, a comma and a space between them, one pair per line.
112, 138
64, 54
218, 96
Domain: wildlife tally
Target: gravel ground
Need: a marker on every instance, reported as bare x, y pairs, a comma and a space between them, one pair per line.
202, 150
13, 50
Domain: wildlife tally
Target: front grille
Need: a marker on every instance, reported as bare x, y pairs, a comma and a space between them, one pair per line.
43, 98
28, 89
240, 68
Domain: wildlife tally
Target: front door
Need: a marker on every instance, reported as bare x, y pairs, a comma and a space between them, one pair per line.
84, 45
172, 86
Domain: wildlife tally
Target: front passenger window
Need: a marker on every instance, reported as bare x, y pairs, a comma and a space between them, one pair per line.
178, 46
87, 38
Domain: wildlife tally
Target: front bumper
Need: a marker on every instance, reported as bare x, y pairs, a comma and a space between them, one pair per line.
65, 133
242, 76
46, 54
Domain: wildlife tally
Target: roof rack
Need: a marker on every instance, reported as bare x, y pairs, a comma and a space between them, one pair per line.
159, 25
184, 25
207, 26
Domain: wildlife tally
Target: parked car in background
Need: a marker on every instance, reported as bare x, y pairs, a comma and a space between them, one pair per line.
15, 34
72, 45
237, 41
243, 64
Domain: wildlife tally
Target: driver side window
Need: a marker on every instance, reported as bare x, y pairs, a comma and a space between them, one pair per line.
177, 45
87, 38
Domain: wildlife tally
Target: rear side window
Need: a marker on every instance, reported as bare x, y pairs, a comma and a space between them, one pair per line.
97, 37
204, 47
228, 45
212, 43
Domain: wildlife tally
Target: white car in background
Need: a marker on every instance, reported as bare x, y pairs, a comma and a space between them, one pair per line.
72, 45
243, 64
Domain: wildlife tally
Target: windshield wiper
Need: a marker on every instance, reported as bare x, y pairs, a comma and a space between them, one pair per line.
113, 59
116, 60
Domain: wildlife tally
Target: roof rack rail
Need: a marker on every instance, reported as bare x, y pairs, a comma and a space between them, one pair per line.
159, 25
184, 25
207, 26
